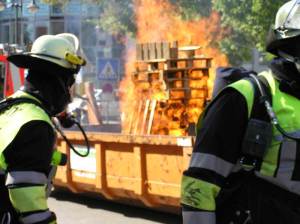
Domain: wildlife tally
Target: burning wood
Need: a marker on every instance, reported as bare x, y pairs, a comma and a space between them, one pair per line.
166, 68
164, 75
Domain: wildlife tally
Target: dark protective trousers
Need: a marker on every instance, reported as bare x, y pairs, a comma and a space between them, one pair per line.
247, 199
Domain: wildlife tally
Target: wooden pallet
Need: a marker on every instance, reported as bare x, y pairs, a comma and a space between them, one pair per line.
179, 73
141, 120
171, 64
157, 50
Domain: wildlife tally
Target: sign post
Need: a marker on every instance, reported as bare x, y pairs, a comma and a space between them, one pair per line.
108, 69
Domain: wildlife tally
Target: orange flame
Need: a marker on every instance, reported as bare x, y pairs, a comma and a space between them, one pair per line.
160, 21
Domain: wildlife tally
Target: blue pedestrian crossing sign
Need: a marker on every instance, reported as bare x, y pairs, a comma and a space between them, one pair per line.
108, 69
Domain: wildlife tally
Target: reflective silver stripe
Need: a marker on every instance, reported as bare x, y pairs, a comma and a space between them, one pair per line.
49, 180
211, 162
195, 217
287, 160
292, 186
36, 217
285, 169
6, 218
31, 177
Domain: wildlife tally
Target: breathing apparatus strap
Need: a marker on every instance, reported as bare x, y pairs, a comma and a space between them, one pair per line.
13, 101
258, 134
270, 111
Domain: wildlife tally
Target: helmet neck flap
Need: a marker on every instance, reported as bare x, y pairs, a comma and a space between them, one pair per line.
52, 89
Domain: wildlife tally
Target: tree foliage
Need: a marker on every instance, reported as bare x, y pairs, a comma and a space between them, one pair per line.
249, 22
55, 2
117, 16
193, 9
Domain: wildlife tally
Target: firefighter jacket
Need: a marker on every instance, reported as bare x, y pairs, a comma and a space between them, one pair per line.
26, 147
216, 155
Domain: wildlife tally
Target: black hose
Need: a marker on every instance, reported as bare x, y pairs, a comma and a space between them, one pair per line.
87, 143
70, 144
284, 133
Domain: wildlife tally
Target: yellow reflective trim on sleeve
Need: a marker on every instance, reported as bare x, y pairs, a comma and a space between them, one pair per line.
3, 164
56, 158
269, 164
28, 199
198, 193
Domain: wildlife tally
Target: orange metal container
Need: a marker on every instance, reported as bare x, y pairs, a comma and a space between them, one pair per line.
142, 170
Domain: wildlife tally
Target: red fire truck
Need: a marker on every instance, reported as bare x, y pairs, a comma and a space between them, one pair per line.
11, 77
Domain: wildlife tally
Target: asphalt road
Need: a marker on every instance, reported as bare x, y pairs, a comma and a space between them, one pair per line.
80, 209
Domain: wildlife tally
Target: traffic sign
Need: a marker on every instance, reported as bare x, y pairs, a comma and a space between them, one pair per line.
108, 69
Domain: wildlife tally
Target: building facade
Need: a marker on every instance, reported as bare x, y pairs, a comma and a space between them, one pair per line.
19, 26
103, 51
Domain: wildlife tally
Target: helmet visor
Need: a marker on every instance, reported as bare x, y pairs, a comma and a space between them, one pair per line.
293, 17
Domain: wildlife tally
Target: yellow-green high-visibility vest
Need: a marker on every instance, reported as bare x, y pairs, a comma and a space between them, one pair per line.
12, 119
280, 164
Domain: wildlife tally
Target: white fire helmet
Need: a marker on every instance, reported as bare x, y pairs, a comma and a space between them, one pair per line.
286, 32
60, 49
287, 20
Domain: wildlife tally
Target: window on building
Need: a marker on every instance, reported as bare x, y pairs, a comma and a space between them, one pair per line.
56, 10
5, 34
72, 25
26, 34
56, 27
102, 42
100, 54
40, 30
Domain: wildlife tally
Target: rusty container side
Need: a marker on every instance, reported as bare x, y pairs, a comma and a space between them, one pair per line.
142, 170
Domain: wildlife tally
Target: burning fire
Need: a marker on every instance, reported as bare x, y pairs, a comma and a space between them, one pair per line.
159, 21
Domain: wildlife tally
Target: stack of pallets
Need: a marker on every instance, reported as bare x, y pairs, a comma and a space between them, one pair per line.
171, 85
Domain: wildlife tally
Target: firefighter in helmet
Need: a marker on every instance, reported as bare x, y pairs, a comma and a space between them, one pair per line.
245, 166
26, 130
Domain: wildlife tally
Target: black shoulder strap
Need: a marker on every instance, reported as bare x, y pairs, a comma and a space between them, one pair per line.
9, 102
259, 110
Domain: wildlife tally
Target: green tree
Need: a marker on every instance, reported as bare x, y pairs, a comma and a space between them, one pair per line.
117, 16
193, 9
248, 23
55, 2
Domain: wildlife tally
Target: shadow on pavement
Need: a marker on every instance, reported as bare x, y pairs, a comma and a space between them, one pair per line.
127, 210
